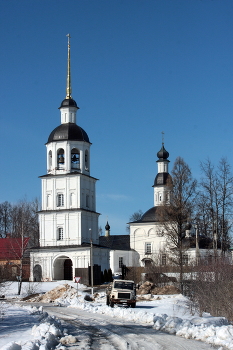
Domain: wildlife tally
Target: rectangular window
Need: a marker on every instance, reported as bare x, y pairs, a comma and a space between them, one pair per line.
148, 248
87, 201
164, 259
60, 233
60, 200
48, 201
185, 259
120, 261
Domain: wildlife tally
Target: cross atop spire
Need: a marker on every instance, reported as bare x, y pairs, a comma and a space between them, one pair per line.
162, 137
68, 83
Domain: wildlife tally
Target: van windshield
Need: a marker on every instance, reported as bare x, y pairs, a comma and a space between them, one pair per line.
123, 285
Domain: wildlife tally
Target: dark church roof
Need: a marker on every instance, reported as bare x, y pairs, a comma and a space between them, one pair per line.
118, 242
163, 179
149, 216
68, 131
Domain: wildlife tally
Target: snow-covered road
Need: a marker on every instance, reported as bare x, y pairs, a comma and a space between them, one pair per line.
101, 332
91, 324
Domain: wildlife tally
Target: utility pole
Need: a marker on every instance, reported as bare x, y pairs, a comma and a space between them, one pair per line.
197, 246
91, 259
21, 261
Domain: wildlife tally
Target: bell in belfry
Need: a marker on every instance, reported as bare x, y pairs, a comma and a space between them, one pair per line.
61, 159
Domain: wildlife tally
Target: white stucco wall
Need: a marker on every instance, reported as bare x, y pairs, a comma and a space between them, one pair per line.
52, 262
141, 234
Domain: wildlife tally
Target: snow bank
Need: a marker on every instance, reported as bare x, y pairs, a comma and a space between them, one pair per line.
48, 334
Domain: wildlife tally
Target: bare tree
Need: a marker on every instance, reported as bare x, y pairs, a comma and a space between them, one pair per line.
210, 288
226, 202
24, 215
5, 218
20, 227
13, 216
137, 215
175, 215
215, 203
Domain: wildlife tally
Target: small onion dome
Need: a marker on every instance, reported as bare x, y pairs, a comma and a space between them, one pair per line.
162, 154
107, 227
68, 102
188, 226
68, 132
162, 179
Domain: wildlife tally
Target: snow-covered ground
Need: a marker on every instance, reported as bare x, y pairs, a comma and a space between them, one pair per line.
29, 328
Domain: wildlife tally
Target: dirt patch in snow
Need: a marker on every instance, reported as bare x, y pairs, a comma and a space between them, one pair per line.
166, 290
150, 288
62, 291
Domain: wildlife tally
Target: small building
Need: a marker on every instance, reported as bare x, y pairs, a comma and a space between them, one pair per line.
120, 252
14, 256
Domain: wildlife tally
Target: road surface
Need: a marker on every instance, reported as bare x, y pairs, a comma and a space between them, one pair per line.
100, 332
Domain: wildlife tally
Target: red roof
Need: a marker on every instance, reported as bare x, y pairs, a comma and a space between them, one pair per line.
13, 248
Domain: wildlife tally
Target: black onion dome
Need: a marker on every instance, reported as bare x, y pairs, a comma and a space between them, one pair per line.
163, 179
149, 216
68, 132
107, 227
68, 102
188, 226
162, 154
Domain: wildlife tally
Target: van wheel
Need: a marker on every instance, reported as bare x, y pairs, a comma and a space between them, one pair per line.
133, 305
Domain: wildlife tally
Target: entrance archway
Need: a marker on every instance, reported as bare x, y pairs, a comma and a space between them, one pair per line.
63, 268
37, 273
68, 273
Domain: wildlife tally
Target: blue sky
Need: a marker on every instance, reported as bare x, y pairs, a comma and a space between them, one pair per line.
138, 68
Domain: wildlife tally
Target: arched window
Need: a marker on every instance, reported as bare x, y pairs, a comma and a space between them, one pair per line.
50, 160
60, 200
86, 160
60, 158
75, 159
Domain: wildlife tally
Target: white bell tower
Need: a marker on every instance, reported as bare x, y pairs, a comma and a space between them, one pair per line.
68, 212
163, 181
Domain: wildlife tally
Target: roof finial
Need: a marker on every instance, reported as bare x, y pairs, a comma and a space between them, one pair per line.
68, 84
162, 137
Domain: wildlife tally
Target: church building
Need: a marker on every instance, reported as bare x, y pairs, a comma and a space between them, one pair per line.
146, 234
69, 239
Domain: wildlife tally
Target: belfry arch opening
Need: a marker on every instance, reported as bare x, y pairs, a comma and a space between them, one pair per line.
86, 160
63, 268
50, 160
75, 158
60, 158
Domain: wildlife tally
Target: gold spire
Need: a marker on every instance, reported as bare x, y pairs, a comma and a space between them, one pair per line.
68, 83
